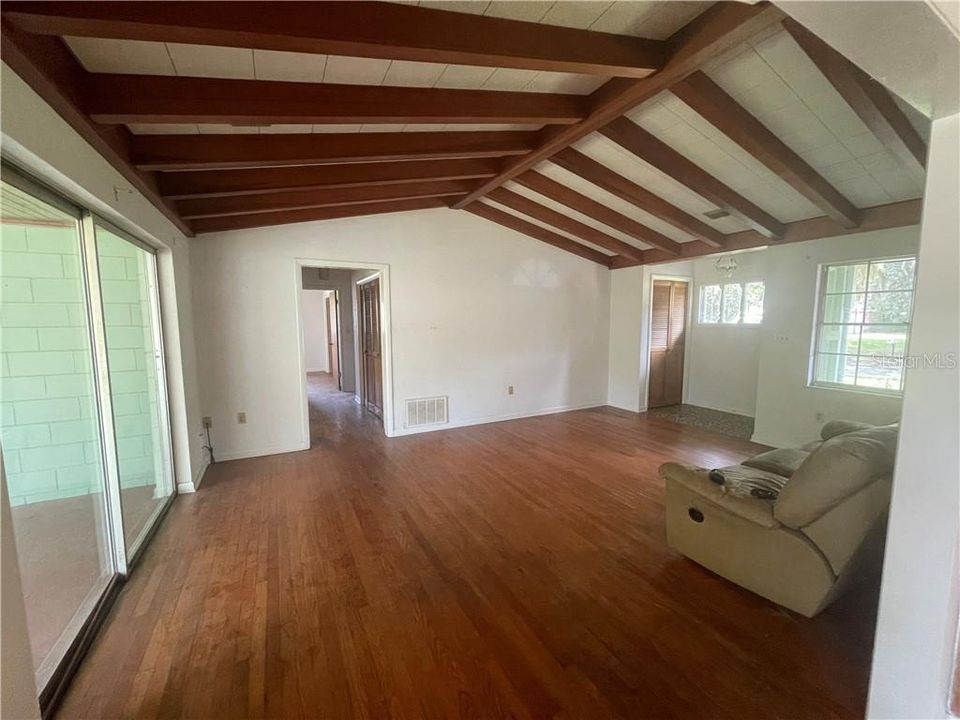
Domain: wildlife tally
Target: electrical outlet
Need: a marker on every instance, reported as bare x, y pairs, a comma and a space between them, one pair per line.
207, 422
242, 418
509, 389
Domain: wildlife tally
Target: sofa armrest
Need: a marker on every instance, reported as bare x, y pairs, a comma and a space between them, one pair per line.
696, 481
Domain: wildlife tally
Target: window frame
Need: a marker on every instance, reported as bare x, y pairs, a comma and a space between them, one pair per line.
818, 323
743, 301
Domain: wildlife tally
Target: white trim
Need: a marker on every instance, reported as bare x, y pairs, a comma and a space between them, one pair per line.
191, 487
500, 418
243, 454
382, 271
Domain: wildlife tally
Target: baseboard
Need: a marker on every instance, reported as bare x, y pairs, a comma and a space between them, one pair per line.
741, 413
318, 370
499, 418
243, 454
191, 487
769, 442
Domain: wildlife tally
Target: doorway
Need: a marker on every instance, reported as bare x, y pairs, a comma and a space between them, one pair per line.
345, 362
668, 330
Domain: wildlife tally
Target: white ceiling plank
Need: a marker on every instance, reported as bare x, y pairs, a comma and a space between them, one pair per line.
534, 221
344, 70
464, 77
172, 129
135, 57
407, 73
575, 13
526, 11
288, 66
212, 61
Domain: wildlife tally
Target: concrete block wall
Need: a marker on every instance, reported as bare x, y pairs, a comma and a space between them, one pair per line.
48, 429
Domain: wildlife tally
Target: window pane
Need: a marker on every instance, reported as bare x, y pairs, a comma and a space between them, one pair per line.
732, 296
839, 339
885, 373
753, 302
847, 278
50, 429
710, 303
128, 291
843, 308
841, 369
884, 340
888, 307
892, 274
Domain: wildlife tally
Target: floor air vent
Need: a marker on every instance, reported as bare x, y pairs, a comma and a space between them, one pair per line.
426, 411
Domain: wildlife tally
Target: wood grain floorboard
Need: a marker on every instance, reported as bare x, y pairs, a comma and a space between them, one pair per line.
511, 570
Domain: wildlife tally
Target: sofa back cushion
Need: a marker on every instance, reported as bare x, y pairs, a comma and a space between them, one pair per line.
836, 470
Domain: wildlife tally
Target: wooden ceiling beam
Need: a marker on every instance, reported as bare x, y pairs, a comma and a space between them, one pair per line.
721, 27
286, 217
118, 99
254, 181
657, 153
869, 99
712, 103
880, 217
603, 177
50, 69
358, 29
531, 208
328, 197
537, 232
200, 152
598, 211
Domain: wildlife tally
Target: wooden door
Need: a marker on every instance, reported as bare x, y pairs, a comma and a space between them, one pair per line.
668, 327
333, 338
371, 376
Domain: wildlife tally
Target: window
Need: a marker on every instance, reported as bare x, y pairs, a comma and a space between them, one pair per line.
732, 303
863, 322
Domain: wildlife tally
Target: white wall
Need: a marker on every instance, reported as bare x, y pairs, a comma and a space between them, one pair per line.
315, 331
723, 360
789, 412
475, 308
917, 623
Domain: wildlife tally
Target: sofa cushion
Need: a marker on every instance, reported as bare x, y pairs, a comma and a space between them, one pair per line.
783, 461
836, 470
840, 427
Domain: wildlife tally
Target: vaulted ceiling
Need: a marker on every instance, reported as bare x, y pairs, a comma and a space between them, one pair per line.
624, 132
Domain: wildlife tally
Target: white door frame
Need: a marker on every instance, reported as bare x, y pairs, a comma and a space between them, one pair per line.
386, 344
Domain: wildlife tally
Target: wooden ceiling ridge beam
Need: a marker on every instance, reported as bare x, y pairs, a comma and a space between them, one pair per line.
870, 100
255, 181
285, 217
713, 104
505, 219
879, 217
199, 152
657, 153
327, 197
357, 29
160, 99
603, 177
719, 28
50, 69
598, 211
544, 214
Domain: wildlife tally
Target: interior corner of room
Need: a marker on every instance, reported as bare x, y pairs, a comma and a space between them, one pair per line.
534, 359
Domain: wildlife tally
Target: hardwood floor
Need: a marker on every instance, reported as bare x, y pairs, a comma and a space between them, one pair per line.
516, 569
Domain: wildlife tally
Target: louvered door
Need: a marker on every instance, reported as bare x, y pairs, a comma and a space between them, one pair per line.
667, 336
371, 376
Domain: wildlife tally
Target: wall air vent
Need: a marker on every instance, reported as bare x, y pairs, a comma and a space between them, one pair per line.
426, 411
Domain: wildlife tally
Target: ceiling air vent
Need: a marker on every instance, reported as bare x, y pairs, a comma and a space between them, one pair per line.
717, 214
427, 411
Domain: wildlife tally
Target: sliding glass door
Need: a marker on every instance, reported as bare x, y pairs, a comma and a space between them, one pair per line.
128, 291
84, 434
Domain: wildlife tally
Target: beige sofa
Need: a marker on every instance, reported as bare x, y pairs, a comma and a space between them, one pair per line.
802, 549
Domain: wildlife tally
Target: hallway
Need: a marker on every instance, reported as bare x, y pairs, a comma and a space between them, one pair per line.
516, 569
